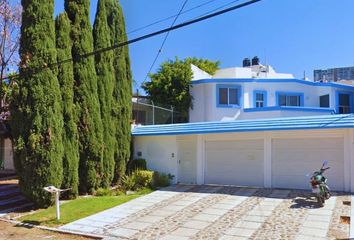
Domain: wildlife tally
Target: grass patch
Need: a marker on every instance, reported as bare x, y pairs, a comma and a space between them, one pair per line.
77, 209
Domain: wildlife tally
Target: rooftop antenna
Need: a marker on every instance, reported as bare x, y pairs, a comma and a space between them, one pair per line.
304, 75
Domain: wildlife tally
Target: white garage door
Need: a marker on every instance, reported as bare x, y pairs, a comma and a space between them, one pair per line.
234, 162
292, 159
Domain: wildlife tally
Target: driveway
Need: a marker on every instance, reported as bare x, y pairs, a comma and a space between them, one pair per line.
221, 212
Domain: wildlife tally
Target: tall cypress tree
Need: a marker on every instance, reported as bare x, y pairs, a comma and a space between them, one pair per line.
66, 81
105, 79
36, 111
85, 96
122, 91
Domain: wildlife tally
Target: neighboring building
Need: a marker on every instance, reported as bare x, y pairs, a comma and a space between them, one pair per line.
334, 74
257, 91
251, 126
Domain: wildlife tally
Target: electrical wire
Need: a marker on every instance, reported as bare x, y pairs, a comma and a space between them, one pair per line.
115, 46
163, 42
170, 17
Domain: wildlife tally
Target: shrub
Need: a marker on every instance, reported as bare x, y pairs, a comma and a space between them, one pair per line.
143, 178
103, 192
137, 164
128, 182
162, 179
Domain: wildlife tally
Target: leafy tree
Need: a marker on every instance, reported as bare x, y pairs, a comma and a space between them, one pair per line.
105, 77
170, 85
86, 97
36, 111
122, 89
66, 81
10, 27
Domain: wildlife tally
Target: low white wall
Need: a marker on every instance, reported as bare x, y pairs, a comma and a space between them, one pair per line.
160, 153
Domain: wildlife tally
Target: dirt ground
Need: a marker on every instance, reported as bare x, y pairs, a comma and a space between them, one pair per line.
11, 231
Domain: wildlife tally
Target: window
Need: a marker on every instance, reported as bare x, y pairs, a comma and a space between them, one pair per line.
260, 99
324, 101
228, 95
344, 103
290, 99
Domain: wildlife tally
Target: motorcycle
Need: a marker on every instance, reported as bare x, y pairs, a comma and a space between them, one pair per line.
319, 185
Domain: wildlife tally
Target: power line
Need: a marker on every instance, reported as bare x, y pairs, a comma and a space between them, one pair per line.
99, 51
218, 8
163, 42
170, 17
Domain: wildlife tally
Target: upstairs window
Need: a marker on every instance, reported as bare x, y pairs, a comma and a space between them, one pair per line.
324, 101
344, 103
290, 99
228, 96
260, 99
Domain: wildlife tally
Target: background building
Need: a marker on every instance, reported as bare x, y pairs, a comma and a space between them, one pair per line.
333, 74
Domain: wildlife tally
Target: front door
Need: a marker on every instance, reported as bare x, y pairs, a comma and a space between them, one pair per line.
186, 161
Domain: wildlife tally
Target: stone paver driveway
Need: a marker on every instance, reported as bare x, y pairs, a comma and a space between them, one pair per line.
220, 212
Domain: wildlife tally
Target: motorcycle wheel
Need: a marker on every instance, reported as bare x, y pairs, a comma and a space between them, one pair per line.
328, 195
320, 201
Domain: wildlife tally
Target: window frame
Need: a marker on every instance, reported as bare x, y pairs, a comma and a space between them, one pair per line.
228, 105
264, 93
290, 94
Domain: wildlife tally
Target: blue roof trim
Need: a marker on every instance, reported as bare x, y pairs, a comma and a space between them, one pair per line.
289, 108
272, 124
270, 80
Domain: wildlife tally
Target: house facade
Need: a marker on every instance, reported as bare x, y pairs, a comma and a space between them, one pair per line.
259, 92
251, 126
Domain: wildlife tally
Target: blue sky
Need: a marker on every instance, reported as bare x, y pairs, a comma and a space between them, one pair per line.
292, 36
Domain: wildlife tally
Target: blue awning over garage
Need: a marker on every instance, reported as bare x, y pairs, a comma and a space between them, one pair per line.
270, 124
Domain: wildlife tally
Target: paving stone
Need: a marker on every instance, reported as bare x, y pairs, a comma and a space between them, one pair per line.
249, 224
224, 206
321, 212
137, 225
230, 237
243, 232
304, 237
196, 224
185, 232
183, 203
319, 218
316, 232
150, 219
314, 224
123, 232
206, 217
260, 213
173, 237
259, 219
215, 211
161, 213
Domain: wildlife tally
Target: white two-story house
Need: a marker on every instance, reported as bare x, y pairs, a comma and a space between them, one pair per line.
257, 91
251, 126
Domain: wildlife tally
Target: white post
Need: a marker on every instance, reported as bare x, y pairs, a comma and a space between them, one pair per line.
348, 138
200, 159
57, 205
267, 160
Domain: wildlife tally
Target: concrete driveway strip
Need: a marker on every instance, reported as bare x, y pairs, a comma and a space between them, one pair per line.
98, 222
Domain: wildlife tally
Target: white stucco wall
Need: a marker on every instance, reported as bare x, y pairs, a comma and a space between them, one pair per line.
160, 153
205, 102
157, 152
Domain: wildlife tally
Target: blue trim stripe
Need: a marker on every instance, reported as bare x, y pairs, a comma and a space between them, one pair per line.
289, 108
269, 80
295, 123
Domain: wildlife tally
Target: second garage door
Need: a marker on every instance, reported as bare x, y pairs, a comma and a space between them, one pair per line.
293, 158
238, 162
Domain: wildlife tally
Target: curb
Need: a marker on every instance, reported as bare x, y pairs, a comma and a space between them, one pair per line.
351, 234
94, 236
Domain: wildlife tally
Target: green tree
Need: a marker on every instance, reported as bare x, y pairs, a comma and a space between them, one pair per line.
85, 96
122, 89
35, 110
170, 85
66, 81
105, 78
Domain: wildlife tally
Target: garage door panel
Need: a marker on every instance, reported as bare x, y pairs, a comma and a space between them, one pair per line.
234, 162
292, 159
